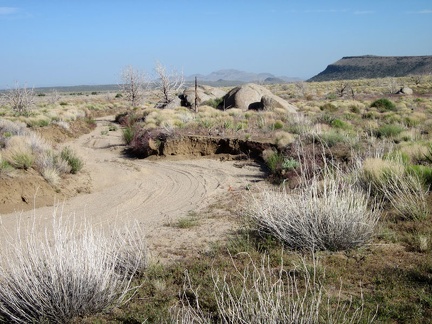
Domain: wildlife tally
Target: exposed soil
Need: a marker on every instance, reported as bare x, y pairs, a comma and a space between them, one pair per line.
156, 192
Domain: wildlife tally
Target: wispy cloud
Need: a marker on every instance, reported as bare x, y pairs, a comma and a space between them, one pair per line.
421, 12
326, 11
7, 11
364, 12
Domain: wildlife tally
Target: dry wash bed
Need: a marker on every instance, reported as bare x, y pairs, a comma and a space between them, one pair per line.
156, 193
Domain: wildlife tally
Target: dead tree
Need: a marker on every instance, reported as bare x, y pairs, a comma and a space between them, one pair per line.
133, 85
196, 95
20, 99
345, 89
167, 84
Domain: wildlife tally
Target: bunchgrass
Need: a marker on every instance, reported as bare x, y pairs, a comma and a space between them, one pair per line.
60, 273
75, 163
328, 213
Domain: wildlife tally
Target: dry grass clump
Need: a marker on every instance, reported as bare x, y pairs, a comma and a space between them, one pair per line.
328, 214
390, 180
283, 138
29, 150
53, 275
18, 153
262, 293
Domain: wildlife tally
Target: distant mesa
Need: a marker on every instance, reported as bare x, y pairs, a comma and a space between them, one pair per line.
232, 76
370, 66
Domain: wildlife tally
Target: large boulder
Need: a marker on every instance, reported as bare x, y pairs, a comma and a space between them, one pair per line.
254, 96
405, 91
204, 92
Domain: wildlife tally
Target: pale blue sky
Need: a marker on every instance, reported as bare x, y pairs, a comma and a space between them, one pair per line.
50, 43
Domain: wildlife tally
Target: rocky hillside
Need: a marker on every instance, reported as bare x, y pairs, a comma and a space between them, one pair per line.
369, 66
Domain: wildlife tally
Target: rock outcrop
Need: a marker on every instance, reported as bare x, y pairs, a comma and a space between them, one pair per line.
256, 97
205, 93
405, 91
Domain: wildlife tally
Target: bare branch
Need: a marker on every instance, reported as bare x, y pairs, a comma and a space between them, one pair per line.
21, 100
168, 84
133, 85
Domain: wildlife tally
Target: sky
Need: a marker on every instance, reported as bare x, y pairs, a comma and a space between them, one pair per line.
59, 43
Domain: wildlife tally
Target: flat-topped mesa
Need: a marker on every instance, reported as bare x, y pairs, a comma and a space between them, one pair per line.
371, 66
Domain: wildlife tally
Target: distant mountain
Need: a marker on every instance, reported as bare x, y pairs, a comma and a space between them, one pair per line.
370, 66
232, 75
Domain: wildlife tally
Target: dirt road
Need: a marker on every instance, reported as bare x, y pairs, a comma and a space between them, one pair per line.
156, 193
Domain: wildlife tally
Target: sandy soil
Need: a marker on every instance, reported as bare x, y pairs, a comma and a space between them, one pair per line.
157, 193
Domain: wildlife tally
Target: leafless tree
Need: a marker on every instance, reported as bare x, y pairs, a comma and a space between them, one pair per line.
345, 88
417, 78
54, 96
167, 84
133, 85
392, 85
302, 89
20, 99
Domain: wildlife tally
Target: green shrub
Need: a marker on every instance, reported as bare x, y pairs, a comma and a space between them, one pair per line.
423, 172
329, 107
337, 123
273, 160
70, 157
331, 138
213, 102
128, 134
290, 164
278, 124
384, 104
389, 130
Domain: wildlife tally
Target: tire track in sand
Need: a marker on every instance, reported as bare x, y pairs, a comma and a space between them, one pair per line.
155, 193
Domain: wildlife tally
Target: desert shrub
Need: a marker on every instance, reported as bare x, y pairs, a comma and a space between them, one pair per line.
53, 275
331, 214
407, 195
290, 164
337, 123
401, 185
215, 103
12, 128
18, 153
146, 142
283, 139
75, 163
48, 163
127, 119
273, 160
128, 134
424, 173
5, 167
330, 138
383, 104
278, 124
329, 107
375, 172
389, 130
